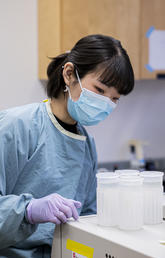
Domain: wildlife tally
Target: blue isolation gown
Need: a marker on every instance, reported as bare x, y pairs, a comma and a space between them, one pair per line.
39, 157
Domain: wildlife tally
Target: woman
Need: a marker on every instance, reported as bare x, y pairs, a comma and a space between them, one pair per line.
47, 159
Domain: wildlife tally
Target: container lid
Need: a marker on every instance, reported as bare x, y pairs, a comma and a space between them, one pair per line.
152, 176
131, 180
107, 177
129, 172
102, 170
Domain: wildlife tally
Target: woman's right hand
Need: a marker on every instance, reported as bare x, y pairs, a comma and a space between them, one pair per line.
52, 208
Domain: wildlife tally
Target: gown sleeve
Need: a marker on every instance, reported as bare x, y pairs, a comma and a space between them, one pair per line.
89, 206
14, 152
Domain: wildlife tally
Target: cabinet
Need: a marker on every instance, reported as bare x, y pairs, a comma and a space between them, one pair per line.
152, 14
61, 23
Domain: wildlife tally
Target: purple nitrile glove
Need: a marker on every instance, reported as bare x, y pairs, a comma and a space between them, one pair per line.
52, 208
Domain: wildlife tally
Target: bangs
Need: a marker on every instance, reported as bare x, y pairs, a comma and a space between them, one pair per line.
116, 73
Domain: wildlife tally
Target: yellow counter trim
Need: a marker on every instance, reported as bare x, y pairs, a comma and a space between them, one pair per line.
79, 248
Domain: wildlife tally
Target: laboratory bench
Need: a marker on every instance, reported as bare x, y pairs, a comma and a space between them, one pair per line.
86, 239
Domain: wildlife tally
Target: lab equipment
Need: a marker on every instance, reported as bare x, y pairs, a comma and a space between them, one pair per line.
52, 208
90, 108
130, 202
86, 239
134, 163
107, 198
137, 160
38, 157
153, 196
163, 205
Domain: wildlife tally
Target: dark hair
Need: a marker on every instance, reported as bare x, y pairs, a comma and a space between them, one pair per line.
89, 54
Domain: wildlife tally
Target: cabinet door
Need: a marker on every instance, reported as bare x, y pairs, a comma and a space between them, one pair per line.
152, 14
49, 33
74, 22
117, 18
63, 22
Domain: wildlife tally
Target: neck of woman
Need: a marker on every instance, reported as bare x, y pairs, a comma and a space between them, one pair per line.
59, 109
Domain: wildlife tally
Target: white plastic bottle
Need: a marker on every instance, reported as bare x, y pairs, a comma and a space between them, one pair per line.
130, 203
107, 198
153, 197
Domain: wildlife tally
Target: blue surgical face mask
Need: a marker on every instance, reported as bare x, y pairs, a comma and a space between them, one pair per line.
90, 108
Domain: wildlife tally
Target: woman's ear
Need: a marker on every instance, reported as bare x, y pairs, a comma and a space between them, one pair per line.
68, 73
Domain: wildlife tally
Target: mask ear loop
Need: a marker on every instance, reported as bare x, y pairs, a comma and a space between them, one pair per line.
79, 80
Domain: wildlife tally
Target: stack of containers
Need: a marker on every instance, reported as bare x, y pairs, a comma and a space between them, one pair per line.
129, 198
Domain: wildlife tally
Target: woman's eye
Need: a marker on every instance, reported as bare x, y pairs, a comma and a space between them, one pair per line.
100, 90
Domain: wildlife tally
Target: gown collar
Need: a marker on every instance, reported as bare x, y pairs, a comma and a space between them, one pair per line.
59, 127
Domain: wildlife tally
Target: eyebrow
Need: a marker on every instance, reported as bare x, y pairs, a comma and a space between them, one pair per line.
102, 84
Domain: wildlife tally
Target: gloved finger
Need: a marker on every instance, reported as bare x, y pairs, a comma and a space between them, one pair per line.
70, 203
75, 213
66, 210
55, 220
77, 204
61, 216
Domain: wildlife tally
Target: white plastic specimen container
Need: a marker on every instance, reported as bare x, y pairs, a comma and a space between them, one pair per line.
107, 198
130, 203
127, 172
153, 197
